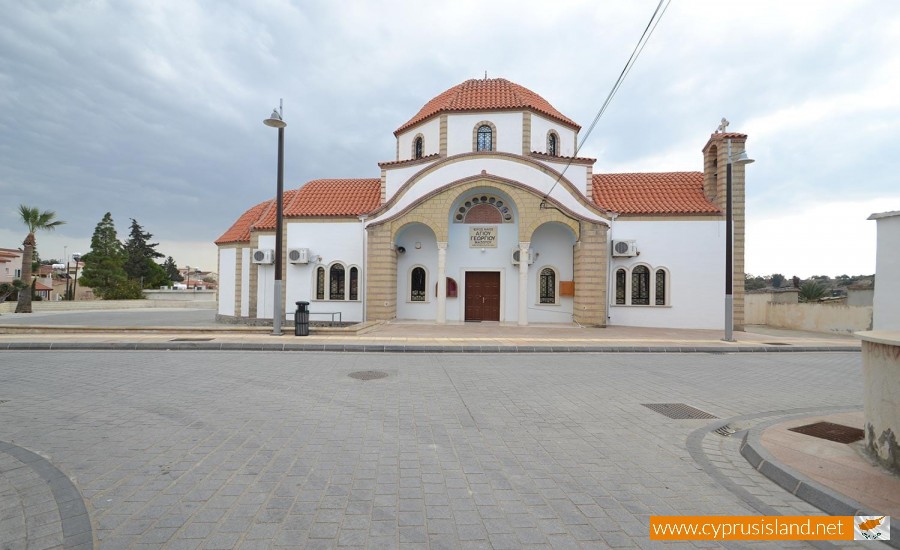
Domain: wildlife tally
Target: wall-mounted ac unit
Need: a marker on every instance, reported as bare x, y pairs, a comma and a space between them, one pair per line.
263, 256
624, 249
298, 255
514, 257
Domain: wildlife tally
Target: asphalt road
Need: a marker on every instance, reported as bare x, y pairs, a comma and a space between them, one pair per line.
174, 317
233, 449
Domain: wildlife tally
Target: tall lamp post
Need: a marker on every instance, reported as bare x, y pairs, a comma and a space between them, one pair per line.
187, 274
75, 256
742, 159
276, 121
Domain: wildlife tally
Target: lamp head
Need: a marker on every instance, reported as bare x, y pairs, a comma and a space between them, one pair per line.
275, 120
742, 158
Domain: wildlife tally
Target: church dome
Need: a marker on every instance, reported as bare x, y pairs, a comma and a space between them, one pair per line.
488, 94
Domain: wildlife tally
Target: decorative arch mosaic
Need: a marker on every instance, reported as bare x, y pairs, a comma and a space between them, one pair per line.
483, 208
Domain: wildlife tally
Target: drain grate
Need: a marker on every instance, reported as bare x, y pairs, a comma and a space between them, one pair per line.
368, 375
832, 432
2, 401
726, 431
191, 339
678, 411
776, 343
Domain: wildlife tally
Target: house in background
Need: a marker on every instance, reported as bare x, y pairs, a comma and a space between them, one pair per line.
484, 214
10, 264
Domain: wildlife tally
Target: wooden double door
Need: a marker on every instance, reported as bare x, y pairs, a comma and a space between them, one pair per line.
482, 296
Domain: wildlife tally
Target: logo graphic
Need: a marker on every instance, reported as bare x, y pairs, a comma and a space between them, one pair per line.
872, 528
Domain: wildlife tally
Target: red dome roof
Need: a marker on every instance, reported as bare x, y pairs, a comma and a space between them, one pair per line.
487, 95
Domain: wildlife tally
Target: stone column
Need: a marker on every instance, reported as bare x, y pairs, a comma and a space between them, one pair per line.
523, 283
590, 258
442, 284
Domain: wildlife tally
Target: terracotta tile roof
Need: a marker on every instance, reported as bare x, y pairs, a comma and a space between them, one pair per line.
326, 197
426, 158
562, 158
336, 197
663, 193
726, 135
486, 95
240, 231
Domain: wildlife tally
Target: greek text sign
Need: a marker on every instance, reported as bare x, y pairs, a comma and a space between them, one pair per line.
483, 236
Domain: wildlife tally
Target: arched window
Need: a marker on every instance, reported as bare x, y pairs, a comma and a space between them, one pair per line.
553, 144
417, 284
320, 283
620, 287
547, 286
354, 283
418, 147
660, 287
485, 138
640, 286
336, 282
483, 209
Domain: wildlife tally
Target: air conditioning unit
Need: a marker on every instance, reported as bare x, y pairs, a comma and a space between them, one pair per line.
262, 256
298, 255
624, 249
516, 253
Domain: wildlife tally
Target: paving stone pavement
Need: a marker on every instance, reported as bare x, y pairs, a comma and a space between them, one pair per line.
284, 450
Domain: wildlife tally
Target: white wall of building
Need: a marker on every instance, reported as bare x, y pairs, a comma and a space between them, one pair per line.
886, 303
265, 281
431, 132
551, 245
517, 171
245, 282
426, 257
332, 242
227, 274
694, 253
461, 128
539, 128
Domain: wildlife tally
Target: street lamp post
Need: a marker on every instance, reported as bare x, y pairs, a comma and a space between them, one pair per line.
187, 273
276, 121
75, 256
742, 159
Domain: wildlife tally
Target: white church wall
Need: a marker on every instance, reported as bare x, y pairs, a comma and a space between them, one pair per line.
524, 173
431, 132
551, 245
265, 281
886, 302
332, 242
694, 254
461, 128
245, 282
539, 128
226, 280
426, 257
394, 178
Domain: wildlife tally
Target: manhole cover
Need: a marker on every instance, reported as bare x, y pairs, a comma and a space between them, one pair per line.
776, 343
678, 411
368, 375
191, 340
832, 432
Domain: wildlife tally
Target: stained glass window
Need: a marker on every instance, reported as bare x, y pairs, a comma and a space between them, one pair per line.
336, 278
640, 286
417, 285
548, 286
485, 138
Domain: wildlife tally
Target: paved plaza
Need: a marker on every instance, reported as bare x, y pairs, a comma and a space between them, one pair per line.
200, 449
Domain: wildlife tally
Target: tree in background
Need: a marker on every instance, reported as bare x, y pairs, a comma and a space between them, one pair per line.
753, 283
7, 289
104, 265
172, 270
140, 256
777, 280
34, 220
811, 291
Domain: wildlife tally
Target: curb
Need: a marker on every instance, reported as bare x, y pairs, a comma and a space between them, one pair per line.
403, 348
820, 496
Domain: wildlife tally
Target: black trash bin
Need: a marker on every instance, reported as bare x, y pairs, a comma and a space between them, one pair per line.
301, 319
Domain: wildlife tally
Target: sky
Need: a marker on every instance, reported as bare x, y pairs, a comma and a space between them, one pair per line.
153, 110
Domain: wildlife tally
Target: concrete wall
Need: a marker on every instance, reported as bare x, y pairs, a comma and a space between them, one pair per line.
819, 317
755, 308
887, 272
881, 395
860, 297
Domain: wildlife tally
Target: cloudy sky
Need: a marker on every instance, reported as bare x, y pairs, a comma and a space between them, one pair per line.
153, 110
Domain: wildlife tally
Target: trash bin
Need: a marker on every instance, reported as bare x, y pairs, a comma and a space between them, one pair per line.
301, 319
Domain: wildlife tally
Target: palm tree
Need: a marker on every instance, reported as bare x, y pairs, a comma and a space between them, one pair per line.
34, 220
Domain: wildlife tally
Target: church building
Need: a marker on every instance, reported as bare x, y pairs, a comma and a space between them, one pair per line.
485, 214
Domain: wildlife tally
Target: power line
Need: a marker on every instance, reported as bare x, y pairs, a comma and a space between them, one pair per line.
638, 48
